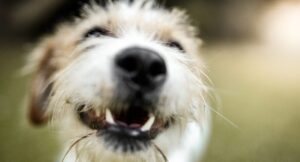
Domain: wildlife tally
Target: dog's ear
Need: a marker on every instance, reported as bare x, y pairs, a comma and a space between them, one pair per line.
42, 66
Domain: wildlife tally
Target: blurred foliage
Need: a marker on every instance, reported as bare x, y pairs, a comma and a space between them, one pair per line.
217, 19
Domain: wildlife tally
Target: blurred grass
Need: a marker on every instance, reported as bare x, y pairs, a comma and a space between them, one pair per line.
259, 89
19, 141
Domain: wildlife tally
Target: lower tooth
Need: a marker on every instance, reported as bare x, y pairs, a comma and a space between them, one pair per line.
147, 126
108, 117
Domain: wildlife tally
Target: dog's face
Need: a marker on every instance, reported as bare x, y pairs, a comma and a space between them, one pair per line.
125, 72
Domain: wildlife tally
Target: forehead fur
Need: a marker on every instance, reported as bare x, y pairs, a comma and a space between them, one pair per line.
123, 18
143, 15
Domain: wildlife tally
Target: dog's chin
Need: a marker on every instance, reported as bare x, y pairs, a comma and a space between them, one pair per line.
129, 131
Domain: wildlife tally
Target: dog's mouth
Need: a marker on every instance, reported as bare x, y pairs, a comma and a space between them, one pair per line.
128, 131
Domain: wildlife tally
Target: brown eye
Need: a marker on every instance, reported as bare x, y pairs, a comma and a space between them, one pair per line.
96, 32
175, 44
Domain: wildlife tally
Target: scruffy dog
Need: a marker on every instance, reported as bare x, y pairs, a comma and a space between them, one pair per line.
123, 83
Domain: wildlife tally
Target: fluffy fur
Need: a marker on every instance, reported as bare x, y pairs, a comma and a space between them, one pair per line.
71, 71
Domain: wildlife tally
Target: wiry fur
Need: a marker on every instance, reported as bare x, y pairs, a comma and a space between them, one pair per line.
82, 75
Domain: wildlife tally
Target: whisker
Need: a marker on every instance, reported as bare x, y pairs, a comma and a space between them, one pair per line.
75, 143
224, 117
161, 152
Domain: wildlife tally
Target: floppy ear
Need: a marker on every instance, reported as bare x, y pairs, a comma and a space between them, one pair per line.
41, 63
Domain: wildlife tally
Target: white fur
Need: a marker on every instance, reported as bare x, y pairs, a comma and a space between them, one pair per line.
82, 81
87, 78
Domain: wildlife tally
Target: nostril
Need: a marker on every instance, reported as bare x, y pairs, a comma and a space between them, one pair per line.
157, 69
128, 63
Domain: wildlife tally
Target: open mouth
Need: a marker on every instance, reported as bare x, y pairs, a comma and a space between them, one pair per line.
128, 131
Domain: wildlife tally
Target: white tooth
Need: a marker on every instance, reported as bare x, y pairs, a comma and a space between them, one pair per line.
147, 126
109, 118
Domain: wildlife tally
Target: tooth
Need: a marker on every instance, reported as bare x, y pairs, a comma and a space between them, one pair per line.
109, 118
147, 126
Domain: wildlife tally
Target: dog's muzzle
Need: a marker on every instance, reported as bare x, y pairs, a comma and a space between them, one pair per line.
132, 120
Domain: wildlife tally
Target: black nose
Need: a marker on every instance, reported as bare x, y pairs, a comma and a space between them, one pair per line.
141, 68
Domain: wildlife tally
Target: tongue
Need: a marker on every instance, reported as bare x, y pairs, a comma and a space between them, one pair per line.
135, 125
131, 125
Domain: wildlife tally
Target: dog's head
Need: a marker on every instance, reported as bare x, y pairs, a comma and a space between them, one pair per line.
128, 72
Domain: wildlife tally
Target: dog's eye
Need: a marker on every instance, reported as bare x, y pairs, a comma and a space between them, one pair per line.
97, 32
175, 44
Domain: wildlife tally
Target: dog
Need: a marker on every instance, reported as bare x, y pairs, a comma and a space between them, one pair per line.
124, 82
